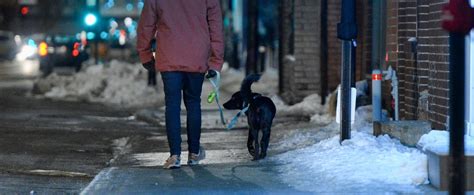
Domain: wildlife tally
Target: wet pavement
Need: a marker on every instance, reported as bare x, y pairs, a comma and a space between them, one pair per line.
231, 178
55, 146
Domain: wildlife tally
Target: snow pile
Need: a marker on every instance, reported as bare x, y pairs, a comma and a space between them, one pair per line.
362, 160
310, 107
118, 84
380, 162
438, 141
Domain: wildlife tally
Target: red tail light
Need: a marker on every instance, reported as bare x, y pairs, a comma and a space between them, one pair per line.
75, 52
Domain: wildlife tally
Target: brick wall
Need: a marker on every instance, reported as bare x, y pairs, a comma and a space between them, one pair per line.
364, 22
424, 84
407, 23
302, 77
334, 45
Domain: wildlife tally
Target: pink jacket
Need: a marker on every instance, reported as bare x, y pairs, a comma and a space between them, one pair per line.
189, 35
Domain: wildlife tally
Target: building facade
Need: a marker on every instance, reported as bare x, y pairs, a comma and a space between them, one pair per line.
415, 46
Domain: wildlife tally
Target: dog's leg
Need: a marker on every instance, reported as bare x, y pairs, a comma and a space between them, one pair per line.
256, 145
250, 145
264, 143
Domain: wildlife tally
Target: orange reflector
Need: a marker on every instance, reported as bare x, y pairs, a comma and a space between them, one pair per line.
376, 77
75, 53
43, 49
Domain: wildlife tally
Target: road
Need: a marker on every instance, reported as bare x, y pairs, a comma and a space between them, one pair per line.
54, 146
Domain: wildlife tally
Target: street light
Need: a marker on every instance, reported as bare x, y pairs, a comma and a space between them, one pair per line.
90, 19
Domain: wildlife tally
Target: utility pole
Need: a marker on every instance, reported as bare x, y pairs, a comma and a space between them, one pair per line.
252, 40
347, 32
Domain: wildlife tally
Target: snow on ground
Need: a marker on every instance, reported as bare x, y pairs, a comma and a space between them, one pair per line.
117, 83
363, 160
438, 141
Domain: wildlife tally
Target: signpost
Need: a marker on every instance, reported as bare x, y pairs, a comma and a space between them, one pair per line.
458, 20
347, 32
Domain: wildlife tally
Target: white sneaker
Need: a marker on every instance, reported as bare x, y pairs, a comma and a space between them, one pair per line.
173, 162
193, 159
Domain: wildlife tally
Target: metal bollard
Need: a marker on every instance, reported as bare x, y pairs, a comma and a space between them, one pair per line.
376, 95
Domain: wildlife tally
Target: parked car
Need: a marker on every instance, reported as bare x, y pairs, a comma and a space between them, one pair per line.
61, 51
8, 47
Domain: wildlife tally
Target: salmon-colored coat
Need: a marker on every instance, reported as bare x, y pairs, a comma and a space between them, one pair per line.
189, 35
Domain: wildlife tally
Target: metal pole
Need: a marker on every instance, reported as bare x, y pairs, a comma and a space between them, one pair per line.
346, 31
376, 95
458, 20
346, 91
457, 171
324, 51
252, 44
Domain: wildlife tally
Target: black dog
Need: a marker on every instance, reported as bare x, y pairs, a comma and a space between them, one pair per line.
259, 115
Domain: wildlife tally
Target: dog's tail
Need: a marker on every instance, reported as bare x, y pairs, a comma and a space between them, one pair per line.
246, 88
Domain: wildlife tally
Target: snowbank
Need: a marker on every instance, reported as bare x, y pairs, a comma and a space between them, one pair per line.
438, 141
118, 84
363, 160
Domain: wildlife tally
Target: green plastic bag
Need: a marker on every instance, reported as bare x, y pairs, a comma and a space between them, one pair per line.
211, 97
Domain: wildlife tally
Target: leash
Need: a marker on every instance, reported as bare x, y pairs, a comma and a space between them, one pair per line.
233, 122
215, 81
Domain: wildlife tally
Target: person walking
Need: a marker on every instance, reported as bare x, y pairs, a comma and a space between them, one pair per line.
189, 43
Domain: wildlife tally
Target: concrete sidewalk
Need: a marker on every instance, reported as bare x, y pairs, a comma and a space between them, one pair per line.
232, 178
236, 178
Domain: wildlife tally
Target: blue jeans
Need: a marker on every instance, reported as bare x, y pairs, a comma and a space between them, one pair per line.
190, 85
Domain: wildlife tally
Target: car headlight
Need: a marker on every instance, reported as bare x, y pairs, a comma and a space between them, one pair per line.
26, 51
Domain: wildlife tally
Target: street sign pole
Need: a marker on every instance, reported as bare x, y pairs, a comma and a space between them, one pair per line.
347, 32
458, 19
456, 113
